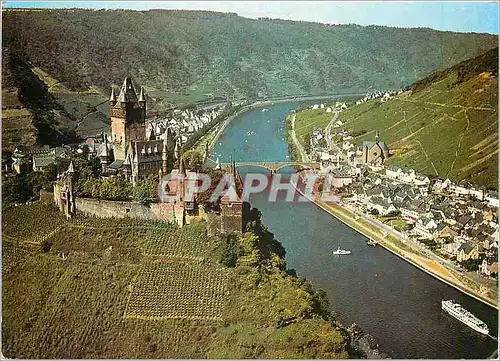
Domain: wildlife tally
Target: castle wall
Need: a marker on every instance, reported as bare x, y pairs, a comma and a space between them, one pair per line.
108, 209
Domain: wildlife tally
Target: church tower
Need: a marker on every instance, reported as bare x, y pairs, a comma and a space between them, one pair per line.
128, 117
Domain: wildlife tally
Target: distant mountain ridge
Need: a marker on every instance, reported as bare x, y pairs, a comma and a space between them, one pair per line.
195, 55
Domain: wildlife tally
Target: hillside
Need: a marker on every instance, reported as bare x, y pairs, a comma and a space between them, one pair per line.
110, 288
445, 124
187, 56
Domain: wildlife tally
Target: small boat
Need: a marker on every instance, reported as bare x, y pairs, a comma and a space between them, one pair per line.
341, 252
371, 243
264, 110
251, 132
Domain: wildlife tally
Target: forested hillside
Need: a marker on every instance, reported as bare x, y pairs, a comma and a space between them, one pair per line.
195, 55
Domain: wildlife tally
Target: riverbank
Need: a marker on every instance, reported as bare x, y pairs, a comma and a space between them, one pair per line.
395, 246
217, 131
403, 251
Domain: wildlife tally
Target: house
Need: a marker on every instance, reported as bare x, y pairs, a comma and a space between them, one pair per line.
451, 249
383, 207
443, 230
488, 269
341, 177
426, 227
42, 161
492, 199
393, 172
421, 180
467, 251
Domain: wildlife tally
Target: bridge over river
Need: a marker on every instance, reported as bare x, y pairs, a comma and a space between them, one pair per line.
274, 166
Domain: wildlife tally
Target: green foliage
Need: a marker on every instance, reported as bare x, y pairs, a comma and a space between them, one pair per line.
96, 286
231, 250
229, 56
145, 190
471, 265
193, 159
34, 95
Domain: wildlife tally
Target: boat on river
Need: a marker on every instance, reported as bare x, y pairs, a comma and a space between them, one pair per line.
371, 243
341, 252
461, 314
265, 110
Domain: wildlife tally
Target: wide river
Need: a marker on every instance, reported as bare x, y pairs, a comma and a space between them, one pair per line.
394, 301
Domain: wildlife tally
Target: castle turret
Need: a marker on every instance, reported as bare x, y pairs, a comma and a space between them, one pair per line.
112, 98
71, 168
164, 158
127, 167
142, 98
104, 155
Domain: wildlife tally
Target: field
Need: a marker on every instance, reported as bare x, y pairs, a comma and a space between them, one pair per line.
128, 288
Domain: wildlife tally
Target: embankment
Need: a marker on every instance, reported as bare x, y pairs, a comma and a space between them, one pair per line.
428, 266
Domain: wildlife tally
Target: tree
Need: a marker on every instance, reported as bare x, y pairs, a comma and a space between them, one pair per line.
145, 190
193, 159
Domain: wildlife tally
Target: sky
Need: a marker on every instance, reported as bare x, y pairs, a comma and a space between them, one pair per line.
470, 16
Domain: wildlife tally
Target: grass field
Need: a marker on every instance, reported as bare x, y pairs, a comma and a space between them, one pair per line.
128, 288
446, 129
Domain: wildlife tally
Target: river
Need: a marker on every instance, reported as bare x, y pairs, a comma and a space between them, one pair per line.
394, 301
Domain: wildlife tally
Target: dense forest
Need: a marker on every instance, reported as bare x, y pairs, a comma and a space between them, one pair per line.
202, 55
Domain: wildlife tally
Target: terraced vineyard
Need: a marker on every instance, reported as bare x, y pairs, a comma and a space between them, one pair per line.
447, 125
168, 289
30, 222
124, 288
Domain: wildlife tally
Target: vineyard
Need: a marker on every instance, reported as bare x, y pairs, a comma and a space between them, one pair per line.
30, 221
128, 288
165, 290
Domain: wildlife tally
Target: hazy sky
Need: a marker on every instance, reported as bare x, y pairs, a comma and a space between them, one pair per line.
455, 16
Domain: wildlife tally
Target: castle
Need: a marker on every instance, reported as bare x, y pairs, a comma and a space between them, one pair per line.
132, 151
135, 154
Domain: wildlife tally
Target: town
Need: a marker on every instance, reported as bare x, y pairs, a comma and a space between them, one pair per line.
455, 223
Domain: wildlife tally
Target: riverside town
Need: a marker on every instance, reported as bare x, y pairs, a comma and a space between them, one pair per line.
242, 180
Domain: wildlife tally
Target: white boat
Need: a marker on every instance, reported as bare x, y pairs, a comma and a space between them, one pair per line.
264, 110
371, 243
341, 251
461, 314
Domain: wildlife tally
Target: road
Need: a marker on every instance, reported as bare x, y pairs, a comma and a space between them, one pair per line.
329, 140
303, 154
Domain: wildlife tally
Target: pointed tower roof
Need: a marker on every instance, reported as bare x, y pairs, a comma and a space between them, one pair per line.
142, 98
151, 135
71, 168
217, 165
127, 92
127, 161
164, 151
181, 167
112, 98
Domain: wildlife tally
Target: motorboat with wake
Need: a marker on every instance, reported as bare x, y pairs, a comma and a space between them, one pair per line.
341, 252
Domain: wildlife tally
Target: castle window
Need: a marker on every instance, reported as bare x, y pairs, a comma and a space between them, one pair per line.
127, 210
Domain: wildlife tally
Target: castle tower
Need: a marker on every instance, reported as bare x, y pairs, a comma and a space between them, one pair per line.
112, 98
104, 155
164, 158
128, 116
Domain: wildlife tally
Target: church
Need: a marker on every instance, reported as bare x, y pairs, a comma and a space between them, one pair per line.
133, 151
373, 152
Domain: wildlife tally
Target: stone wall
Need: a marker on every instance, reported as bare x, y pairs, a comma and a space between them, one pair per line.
107, 209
